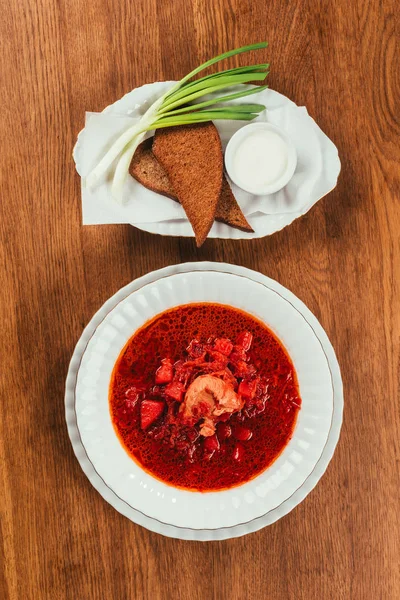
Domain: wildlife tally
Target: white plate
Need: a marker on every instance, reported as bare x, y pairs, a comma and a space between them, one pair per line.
316, 174
150, 502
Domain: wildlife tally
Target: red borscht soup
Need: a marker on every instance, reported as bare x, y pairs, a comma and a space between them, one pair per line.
204, 397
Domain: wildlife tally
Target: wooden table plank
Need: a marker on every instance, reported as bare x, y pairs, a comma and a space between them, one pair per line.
59, 539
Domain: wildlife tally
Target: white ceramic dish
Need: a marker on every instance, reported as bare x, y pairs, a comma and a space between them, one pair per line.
148, 501
234, 145
316, 174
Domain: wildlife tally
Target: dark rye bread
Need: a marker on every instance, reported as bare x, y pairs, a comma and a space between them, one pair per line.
146, 169
192, 158
229, 211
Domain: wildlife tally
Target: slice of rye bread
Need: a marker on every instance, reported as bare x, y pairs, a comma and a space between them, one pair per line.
192, 158
229, 211
146, 169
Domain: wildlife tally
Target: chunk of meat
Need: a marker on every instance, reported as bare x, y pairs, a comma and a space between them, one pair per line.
208, 427
208, 398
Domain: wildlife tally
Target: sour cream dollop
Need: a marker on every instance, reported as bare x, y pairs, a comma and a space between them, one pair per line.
260, 159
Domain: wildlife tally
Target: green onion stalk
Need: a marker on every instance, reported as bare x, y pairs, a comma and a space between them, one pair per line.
180, 106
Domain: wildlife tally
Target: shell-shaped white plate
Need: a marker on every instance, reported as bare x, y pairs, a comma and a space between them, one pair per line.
192, 515
318, 167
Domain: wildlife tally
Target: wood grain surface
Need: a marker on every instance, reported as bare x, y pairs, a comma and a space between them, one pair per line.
59, 539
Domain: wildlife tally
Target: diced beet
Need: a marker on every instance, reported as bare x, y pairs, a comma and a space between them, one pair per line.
245, 340
150, 411
223, 345
224, 431
175, 390
242, 433
238, 353
165, 373
218, 361
240, 369
211, 444
217, 356
238, 452
225, 417
247, 389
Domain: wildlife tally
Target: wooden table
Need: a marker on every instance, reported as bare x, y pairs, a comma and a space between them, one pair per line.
59, 538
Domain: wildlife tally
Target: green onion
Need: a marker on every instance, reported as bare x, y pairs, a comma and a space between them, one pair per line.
177, 107
206, 116
218, 58
252, 69
208, 87
220, 99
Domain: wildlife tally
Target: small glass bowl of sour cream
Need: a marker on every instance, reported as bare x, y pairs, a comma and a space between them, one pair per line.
260, 158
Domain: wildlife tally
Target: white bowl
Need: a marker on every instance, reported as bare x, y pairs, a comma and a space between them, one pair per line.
233, 146
136, 493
